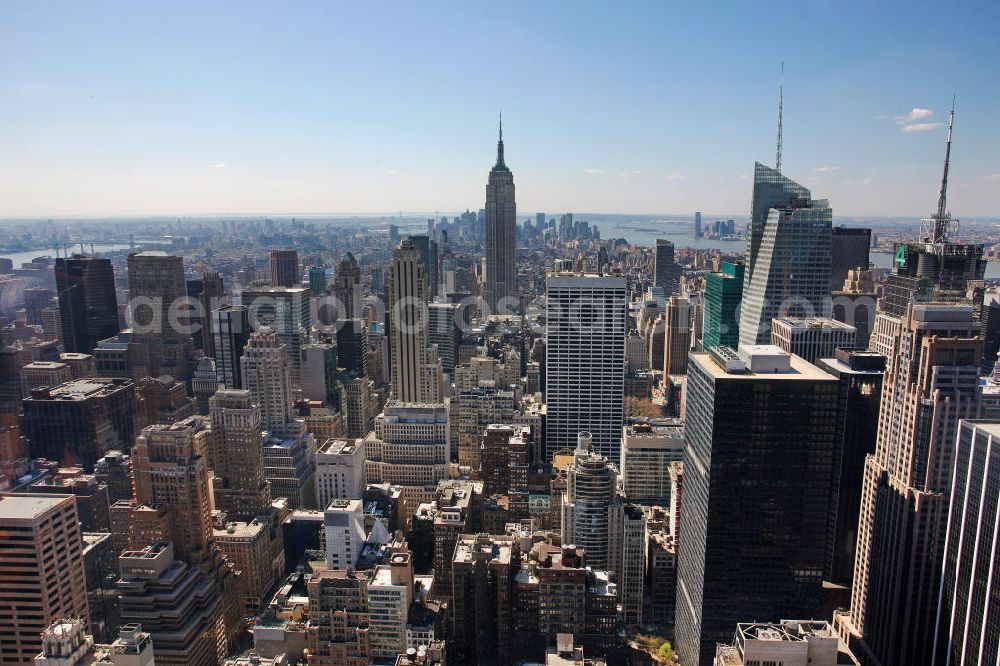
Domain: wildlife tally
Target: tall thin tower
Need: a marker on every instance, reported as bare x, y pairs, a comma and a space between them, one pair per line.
942, 218
781, 103
501, 223
408, 322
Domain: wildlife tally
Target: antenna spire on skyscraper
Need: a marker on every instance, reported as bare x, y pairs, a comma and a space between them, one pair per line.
942, 220
500, 143
781, 100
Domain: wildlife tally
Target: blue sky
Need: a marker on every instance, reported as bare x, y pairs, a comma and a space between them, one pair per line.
125, 108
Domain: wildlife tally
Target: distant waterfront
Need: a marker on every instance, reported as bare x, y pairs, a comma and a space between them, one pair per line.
25, 257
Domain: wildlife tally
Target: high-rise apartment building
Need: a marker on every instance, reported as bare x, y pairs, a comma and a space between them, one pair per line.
758, 467
723, 295
585, 360
230, 332
590, 491
337, 632
457, 509
41, 571
930, 385
88, 306
501, 244
390, 593
267, 376
483, 571
664, 267
285, 268
789, 261
156, 284
967, 632
627, 557
237, 455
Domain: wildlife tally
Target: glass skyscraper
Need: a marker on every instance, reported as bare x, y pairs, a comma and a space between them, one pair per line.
758, 466
789, 256
770, 189
723, 293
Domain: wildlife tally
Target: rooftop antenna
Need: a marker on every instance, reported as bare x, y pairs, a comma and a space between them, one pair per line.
500, 162
781, 100
942, 219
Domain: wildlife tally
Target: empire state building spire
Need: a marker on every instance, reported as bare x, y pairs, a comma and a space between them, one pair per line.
500, 162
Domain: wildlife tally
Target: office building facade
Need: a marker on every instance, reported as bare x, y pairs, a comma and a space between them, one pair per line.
585, 360
88, 306
758, 467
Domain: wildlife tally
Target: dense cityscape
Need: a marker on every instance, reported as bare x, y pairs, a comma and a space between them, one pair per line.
274, 441
493, 436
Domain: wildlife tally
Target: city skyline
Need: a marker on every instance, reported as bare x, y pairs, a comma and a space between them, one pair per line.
262, 112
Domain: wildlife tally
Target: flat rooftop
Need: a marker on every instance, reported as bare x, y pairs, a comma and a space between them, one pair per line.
988, 426
798, 368
339, 446
81, 389
813, 322
29, 507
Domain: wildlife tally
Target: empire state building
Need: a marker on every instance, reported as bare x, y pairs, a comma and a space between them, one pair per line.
501, 269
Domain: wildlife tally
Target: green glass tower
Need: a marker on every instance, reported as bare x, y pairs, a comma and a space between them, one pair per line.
723, 293
317, 280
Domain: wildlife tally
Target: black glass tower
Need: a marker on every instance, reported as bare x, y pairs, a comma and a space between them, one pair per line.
88, 307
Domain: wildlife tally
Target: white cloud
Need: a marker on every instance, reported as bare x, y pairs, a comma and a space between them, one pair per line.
391, 172
220, 165
675, 175
826, 168
993, 176
913, 116
593, 172
920, 127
